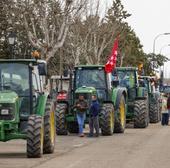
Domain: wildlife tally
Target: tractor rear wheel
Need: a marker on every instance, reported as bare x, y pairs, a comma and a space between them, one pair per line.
49, 128
120, 121
154, 112
107, 119
61, 126
141, 117
35, 136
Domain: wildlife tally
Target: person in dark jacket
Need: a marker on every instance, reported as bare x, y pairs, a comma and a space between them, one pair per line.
165, 115
94, 117
168, 104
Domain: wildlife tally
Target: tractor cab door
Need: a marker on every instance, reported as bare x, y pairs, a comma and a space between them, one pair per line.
36, 87
31, 93
132, 91
29, 99
128, 79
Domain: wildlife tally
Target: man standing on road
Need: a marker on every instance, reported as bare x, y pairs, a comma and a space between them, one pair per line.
81, 108
165, 114
94, 118
168, 104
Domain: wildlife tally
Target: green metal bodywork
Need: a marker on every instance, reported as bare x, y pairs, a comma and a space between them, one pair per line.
11, 128
153, 96
90, 90
135, 92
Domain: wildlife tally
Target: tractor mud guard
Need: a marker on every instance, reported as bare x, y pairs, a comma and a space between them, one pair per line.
2, 132
108, 102
140, 98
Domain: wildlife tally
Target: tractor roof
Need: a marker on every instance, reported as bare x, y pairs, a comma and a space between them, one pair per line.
146, 77
89, 66
26, 61
127, 68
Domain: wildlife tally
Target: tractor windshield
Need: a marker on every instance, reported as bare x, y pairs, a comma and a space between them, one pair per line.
90, 78
126, 78
14, 77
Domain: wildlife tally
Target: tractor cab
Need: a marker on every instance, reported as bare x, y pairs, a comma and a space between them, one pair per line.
20, 86
90, 78
128, 78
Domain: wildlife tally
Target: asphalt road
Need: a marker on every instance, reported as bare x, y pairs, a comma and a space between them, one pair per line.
136, 148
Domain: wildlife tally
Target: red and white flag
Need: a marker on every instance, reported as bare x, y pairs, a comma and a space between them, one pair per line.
111, 63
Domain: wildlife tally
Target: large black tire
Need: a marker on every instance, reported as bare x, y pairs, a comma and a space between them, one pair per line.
141, 117
73, 127
35, 136
154, 114
107, 119
61, 125
120, 120
49, 128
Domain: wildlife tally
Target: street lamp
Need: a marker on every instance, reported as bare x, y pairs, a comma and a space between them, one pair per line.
11, 40
167, 45
154, 42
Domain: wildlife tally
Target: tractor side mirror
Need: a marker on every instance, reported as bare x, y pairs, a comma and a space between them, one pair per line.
42, 69
115, 83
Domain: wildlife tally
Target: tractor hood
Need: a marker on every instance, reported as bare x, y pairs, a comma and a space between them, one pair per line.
8, 96
85, 89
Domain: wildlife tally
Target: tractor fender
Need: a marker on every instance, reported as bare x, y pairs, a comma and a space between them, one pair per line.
40, 108
120, 92
141, 98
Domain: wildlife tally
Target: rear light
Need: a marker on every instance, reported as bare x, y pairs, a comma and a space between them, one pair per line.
62, 96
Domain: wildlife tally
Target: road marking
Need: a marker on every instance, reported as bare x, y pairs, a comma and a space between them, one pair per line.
78, 145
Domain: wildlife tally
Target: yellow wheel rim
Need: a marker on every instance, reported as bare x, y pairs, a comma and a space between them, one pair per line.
42, 137
52, 127
111, 120
122, 113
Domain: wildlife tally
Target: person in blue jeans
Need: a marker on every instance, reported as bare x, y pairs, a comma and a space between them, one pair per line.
94, 116
81, 108
165, 114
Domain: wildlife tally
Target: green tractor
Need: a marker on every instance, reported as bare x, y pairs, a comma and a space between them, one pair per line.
26, 111
93, 80
154, 99
137, 110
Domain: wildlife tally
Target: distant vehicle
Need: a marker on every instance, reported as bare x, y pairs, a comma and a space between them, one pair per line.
165, 89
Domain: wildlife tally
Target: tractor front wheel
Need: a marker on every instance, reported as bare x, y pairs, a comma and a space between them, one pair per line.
141, 117
61, 126
154, 112
35, 136
107, 119
49, 128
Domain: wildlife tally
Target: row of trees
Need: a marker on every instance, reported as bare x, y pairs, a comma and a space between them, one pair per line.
71, 32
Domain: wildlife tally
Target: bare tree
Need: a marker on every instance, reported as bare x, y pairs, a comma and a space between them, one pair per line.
47, 23
91, 35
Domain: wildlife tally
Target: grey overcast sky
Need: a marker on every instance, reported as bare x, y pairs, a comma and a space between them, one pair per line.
150, 18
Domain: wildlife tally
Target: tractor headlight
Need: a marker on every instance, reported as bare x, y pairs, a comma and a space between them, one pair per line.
7, 111
4, 112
